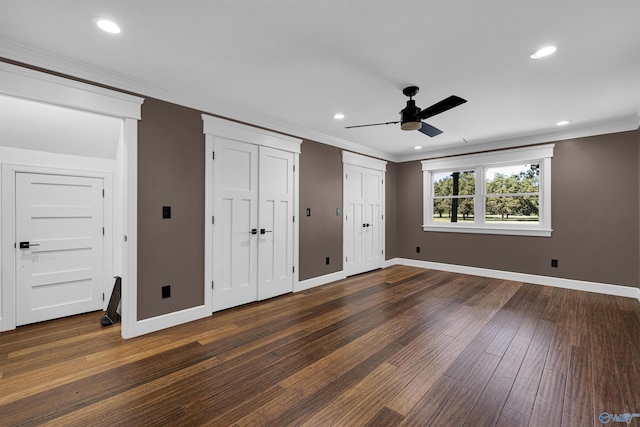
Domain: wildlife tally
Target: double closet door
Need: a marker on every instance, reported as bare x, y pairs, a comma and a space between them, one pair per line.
252, 223
363, 225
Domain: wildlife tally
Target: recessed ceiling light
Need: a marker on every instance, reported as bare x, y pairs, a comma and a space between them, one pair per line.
417, 147
107, 25
563, 122
338, 116
542, 52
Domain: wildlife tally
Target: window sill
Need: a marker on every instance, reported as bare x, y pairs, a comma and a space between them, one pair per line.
509, 231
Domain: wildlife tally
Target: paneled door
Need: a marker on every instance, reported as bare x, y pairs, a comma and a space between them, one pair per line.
235, 223
363, 223
252, 223
275, 244
60, 238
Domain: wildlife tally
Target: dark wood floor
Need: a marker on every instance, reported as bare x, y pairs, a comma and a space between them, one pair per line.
401, 346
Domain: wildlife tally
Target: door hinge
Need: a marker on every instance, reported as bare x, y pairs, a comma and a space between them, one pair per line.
294, 268
383, 181
103, 194
103, 296
346, 259
382, 216
212, 284
103, 231
346, 217
213, 219
346, 176
382, 252
294, 218
294, 168
14, 245
213, 155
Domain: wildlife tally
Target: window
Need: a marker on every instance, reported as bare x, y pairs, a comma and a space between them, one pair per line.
503, 192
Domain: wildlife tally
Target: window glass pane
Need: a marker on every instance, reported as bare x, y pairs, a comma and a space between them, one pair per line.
513, 179
453, 209
512, 209
458, 183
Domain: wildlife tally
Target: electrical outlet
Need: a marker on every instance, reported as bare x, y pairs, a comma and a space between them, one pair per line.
166, 291
166, 212
418, 249
554, 263
327, 261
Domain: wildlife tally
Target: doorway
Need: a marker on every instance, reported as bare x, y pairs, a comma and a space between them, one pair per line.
24, 153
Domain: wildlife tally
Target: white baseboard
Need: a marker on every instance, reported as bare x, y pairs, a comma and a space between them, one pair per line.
580, 285
319, 281
164, 321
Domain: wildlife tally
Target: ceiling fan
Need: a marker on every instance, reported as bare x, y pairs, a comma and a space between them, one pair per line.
411, 116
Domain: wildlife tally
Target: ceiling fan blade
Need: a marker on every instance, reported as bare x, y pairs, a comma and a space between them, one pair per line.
441, 107
429, 130
372, 124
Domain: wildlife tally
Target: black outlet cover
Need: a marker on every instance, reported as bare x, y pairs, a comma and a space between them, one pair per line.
418, 249
554, 263
166, 212
327, 261
166, 291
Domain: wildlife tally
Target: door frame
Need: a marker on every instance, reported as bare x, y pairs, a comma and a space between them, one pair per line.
353, 159
9, 173
37, 86
215, 127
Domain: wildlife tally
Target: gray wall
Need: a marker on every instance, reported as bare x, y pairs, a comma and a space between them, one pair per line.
594, 218
170, 173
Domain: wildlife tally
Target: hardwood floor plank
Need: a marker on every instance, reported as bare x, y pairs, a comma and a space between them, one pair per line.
385, 418
458, 407
525, 387
547, 409
578, 407
490, 404
431, 404
511, 418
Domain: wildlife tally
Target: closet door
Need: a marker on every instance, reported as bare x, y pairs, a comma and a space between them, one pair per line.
374, 223
235, 223
354, 219
363, 205
275, 240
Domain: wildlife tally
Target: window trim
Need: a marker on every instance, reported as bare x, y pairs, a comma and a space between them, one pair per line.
479, 162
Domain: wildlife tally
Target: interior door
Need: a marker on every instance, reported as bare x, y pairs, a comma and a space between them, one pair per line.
354, 219
373, 230
235, 223
275, 244
60, 253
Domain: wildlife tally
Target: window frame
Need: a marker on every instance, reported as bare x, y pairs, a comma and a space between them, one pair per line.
480, 162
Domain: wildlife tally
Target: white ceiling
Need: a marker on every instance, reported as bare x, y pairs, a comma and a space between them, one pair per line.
291, 64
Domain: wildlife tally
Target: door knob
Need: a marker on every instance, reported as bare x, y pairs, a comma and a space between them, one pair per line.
27, 245
254, 231
263, 231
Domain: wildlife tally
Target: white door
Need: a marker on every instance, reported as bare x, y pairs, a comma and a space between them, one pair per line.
354, 219
59, 250
363, 219
235, 223
275, 244
373, 230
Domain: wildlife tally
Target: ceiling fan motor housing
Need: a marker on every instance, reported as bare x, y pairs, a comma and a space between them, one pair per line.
409, 116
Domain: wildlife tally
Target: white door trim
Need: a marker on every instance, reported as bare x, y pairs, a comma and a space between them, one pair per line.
216, 127
8, 214
42, 87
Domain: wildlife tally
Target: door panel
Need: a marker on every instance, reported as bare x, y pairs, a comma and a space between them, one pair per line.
275, 248
61, 273
363, 222
235, 201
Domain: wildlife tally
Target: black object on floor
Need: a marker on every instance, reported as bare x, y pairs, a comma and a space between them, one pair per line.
111, 316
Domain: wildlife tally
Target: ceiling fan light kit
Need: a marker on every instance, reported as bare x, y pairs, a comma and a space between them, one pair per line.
411, 116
